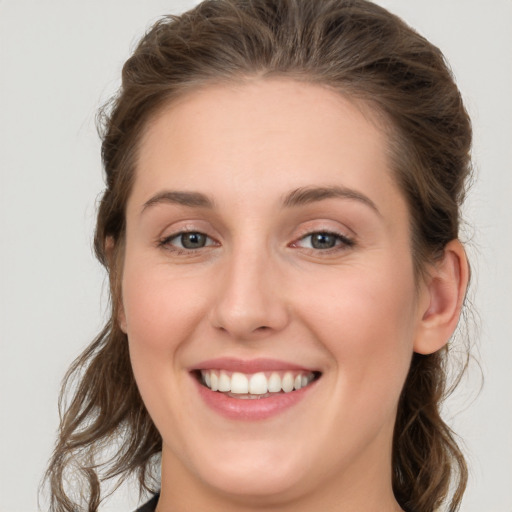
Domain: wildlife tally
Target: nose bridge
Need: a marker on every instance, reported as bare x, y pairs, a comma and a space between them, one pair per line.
250, 299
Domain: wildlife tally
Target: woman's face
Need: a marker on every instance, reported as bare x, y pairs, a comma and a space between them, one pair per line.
267, 247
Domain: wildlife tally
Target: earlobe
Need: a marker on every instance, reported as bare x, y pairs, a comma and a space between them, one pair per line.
445, 289
114, 264
121, 318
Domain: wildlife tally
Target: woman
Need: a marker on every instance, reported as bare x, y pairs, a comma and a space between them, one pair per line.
280, 227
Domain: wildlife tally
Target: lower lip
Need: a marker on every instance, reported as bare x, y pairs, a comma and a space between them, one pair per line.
251, 409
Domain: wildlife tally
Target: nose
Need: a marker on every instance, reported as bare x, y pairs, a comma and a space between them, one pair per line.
251, 300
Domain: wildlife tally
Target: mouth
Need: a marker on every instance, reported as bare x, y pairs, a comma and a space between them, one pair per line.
250, 386
253, 390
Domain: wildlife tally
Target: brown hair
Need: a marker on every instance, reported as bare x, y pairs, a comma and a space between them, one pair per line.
365, 53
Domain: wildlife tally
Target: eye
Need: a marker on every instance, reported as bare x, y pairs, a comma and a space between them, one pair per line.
324, 240
187, 240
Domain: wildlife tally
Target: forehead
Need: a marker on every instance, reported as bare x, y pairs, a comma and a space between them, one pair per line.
265, 134
270, 104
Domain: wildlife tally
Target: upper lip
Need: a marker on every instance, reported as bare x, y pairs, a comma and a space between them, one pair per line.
249, 366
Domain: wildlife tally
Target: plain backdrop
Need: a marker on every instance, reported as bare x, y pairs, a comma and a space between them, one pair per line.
59, 61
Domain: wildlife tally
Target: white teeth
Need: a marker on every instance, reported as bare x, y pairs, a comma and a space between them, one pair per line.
274, 383
239, 383
256, 384
287, 382
214, 381
224, 382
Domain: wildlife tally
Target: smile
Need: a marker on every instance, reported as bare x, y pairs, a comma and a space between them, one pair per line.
256, 385
252, 390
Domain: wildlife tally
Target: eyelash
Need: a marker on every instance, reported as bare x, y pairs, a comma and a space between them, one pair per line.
165, 243
342, 242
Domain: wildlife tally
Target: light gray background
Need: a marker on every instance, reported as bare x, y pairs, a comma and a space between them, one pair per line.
59, 60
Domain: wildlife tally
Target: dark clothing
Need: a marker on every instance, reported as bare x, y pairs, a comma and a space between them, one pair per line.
150, 506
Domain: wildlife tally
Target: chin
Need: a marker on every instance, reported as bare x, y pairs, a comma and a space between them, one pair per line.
269, 489
269, 478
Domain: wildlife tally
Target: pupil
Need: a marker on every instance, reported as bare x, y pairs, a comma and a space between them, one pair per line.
193, 240
323, 241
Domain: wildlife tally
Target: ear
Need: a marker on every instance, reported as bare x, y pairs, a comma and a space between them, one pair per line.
442, 297
121, 317
114, 286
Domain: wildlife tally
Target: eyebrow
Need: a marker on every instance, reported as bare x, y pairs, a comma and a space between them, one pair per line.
307, 195
298, 197
190, 199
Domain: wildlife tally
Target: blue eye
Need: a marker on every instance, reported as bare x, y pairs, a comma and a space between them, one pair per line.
324, 240
189, 240
193, 240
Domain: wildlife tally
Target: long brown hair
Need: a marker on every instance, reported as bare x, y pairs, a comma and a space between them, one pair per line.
365, 53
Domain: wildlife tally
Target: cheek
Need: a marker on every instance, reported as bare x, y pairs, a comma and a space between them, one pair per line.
161, 316
160, 309
366, 320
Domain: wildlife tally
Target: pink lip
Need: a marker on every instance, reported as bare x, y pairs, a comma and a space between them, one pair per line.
248, 366
250, 409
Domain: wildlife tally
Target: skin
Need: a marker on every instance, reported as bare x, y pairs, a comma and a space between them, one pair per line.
260, 289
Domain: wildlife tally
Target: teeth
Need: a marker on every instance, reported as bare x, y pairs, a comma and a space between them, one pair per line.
256, 384
239, 383
214, 381
274, 383
224, 382
287, 382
